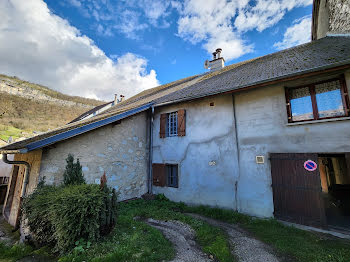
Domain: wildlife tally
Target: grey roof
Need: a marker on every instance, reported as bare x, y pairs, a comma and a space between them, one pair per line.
329, 52
309, 57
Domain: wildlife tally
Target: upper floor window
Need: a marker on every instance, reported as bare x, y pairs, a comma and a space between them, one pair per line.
318, 101
173, 124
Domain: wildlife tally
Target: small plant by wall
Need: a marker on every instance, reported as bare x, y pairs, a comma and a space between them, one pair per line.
73, 174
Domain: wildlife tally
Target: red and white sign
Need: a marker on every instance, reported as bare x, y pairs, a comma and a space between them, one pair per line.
310, 165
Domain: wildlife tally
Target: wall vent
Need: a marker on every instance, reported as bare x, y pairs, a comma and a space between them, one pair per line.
260, 159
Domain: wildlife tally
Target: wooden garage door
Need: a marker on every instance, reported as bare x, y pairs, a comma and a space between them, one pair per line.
296, 191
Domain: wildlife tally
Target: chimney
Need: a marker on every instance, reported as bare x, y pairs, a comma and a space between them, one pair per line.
116, 99
218, 62
121, 98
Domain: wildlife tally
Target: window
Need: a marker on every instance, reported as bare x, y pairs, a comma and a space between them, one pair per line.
165, 175
172, 124
317, 101
172, 175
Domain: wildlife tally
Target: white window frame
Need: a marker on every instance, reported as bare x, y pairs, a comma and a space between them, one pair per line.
172, 122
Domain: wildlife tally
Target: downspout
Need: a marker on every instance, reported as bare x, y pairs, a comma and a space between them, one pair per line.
237, 148
150, 174
26, 174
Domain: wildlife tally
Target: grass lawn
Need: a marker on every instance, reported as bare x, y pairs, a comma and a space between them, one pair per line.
295, 243
12, 253
7, 131
133, 240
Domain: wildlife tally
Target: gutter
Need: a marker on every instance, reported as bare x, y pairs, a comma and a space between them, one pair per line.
26, 174
150, 173
263, 82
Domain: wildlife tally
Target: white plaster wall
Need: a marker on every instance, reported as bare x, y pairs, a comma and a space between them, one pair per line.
210, 136
120, 150
262, 129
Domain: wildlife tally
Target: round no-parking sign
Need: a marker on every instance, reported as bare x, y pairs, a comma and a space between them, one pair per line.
310, 165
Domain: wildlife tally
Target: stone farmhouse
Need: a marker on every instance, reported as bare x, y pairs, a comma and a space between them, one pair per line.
268, 137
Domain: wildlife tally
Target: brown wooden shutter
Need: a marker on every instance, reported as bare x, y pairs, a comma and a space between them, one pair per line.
163, 119
159, 174
181, 122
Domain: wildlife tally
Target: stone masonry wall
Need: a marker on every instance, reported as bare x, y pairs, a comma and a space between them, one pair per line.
339, 16
121, 151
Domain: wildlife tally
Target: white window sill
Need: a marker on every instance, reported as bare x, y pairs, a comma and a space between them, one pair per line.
318, 121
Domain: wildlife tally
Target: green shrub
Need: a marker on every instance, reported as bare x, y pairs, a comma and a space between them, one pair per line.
73, 175
60, 216
36, 209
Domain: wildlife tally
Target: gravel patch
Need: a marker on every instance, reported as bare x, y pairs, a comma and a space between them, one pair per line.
245, 247
182, 236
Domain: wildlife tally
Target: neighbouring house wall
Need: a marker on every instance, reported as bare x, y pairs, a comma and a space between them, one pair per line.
207, 155
331, 16
322, 19
5, 169
339, 16
5, 172
263, 128
34, 159
121, 151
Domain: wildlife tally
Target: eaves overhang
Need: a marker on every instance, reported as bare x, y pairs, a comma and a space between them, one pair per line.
74, 132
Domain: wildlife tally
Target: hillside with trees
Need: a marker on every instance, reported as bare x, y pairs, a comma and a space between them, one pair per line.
27, 108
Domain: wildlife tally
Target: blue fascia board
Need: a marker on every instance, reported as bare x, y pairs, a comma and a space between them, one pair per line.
77, 131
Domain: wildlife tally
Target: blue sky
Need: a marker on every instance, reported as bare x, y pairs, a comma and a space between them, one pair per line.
95, 48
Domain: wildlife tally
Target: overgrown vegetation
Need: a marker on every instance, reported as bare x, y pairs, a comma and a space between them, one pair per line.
12, 253
60, 216
71, 215
133, 240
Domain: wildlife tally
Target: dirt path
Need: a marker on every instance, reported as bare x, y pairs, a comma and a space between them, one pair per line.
245, 247
182, 236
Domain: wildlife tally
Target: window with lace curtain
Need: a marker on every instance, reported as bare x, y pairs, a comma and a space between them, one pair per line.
323, 100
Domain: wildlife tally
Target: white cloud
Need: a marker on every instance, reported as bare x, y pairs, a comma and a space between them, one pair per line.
130, 17
221, 23
265, 13
210, 21
43, 48
129, 24
298, 33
